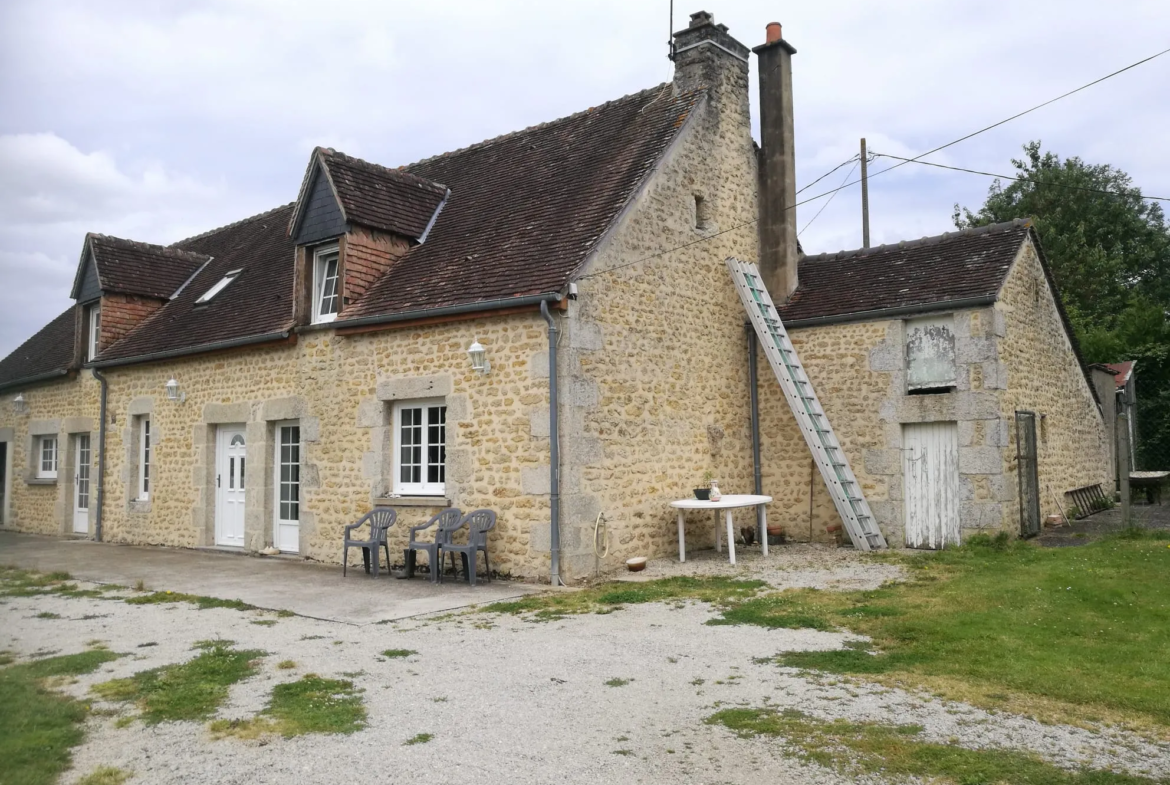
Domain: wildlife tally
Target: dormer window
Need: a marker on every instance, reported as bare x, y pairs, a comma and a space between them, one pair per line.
220, 285
326, 294
94, 321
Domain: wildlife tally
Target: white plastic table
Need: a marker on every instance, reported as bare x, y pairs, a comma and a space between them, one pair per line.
729, 502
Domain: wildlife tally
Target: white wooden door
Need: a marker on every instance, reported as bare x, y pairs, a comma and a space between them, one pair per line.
287, 470
930, 468
81, 483
229, 485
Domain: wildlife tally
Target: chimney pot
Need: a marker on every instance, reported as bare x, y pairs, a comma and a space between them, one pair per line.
700, 18
773, 32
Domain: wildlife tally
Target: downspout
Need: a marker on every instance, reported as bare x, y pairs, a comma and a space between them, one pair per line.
757, 475
554, 469
101, 478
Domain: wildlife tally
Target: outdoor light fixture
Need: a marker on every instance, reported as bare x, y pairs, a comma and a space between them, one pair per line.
173, 392
19, 405
479, 360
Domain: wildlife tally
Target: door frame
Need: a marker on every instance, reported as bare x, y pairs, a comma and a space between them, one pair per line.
219, 468
277, 521
76, 438
6, 482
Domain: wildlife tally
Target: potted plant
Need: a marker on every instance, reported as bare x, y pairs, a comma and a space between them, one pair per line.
704, 494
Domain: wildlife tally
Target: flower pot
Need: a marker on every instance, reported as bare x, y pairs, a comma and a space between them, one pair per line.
703, 494
636, 564
775, 531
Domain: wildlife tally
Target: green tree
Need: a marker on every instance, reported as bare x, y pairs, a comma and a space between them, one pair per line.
1109, 250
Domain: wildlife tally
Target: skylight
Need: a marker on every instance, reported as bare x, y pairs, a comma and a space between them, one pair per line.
219, 287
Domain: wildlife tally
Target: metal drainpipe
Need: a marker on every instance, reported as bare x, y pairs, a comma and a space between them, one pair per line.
554, 469
755, 398
101, 478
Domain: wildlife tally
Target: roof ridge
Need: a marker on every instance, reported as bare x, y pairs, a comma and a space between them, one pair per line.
330, 152
155, 247
970, 231
232, 225
502, 137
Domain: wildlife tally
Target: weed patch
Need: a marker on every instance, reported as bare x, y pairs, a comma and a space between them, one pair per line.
866, 748
397, 653
615, 682
38, 728
421, 738
105, 775
202, 603
311, 705
192, 690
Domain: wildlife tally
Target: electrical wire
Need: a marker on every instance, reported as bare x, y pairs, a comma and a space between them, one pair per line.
1018, 179
706, 238
826, 174
829, 201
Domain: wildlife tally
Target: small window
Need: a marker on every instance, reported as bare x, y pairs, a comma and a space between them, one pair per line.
46, 458
95, 330
220, 285
326, 288
930, 355
420, 455
144, 458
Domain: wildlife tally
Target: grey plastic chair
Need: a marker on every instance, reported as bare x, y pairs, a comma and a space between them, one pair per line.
380, 520
479, 523
447, 523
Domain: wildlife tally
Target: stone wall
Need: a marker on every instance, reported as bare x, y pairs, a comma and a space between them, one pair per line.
1043, 376
65, 408
654, 371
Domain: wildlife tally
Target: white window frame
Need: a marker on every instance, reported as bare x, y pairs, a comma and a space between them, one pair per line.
219, 286
42, 442
321, 259
145, 455
278, 481
94, 319
425, 487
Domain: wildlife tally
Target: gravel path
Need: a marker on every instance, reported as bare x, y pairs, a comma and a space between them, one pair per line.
510, 700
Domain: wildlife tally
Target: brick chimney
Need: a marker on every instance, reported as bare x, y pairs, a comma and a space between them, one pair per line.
777, 167
705, 55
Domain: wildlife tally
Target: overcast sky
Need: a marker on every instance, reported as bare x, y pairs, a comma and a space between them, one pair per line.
156, 121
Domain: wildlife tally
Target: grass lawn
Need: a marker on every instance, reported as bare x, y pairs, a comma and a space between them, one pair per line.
1037, 630
38, 727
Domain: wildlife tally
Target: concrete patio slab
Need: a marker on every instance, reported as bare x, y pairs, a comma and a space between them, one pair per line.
307, 589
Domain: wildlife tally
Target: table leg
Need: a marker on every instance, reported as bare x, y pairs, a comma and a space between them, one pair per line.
718, 535
730, 538
763, 516
682, 539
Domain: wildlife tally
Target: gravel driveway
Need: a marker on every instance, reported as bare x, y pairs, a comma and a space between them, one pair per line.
510, 700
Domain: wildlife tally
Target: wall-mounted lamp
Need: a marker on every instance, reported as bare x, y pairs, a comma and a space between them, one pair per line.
479, 360
173, 392
19, 405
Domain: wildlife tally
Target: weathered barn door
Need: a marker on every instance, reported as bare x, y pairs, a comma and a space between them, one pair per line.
1029, 475
930, 468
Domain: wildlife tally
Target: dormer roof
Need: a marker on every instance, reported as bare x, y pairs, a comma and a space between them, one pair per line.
390, 200
130, 267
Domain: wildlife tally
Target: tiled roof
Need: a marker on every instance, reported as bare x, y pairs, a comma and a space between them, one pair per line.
371, 195
961, 265
1121, 371
257, 302
526, 209
49, 351
130, 267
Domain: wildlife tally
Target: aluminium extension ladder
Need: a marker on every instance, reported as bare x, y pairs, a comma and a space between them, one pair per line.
818, 433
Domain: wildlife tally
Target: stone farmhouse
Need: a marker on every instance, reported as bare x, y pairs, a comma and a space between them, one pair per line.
543, 324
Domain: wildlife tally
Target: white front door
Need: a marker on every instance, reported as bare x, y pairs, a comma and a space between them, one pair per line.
930, 468
230, 449
287, 471
81, 484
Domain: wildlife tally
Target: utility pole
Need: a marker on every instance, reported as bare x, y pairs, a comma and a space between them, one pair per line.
864, 197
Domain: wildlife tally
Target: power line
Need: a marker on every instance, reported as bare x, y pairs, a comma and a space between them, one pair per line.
830, 200
1021, 114
1017, 179
876, 174
826, 174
